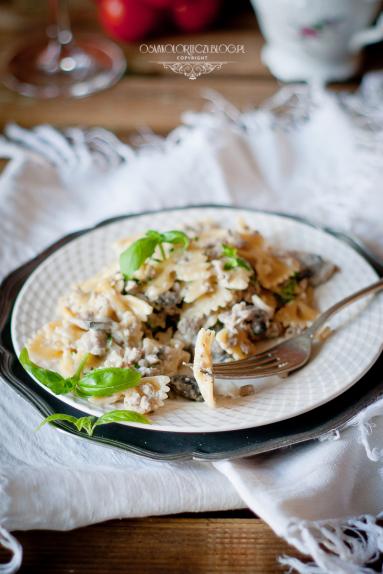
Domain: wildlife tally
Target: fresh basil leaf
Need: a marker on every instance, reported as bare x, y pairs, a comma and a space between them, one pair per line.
162, 251
136, 254
96, 383
244, 264
176, 237
54, 381
153, 234
81, 423
106, 382
120, 416
89, 423
230, 264
86, 423
232, 259
288, 290
80, 368
228, 251
57, 417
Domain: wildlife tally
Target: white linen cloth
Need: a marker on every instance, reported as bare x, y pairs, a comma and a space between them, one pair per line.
305, 152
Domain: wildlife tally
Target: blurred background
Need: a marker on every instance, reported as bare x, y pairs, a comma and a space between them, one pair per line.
148, 94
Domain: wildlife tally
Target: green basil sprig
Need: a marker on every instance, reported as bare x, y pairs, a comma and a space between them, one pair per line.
232, 259
95, 383
289, 289
106, 382
54, 381
138, 252
90, 423
176, 237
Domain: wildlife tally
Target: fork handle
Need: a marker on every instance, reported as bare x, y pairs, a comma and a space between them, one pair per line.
323, 318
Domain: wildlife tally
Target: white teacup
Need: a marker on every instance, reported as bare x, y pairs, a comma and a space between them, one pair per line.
318, 40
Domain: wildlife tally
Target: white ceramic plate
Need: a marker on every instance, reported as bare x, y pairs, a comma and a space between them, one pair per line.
341, 362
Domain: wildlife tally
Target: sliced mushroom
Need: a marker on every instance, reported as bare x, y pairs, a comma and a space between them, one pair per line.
185, 387
316, 269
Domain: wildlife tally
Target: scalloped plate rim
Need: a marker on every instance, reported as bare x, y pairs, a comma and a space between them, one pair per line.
160, 427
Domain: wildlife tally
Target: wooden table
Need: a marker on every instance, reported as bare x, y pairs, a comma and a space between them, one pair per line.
232, 543
149, 96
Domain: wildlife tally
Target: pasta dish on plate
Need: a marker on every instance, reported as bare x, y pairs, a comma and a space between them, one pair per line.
125, 338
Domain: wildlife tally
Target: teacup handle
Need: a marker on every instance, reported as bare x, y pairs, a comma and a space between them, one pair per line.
368, 36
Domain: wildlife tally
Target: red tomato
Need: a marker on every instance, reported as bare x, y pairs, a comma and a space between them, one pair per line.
127, 20
194, 15
161, 4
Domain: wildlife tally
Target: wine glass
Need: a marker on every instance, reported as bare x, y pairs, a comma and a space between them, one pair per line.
59, 64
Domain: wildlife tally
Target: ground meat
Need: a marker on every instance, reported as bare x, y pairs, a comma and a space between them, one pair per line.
187, 329
148, 396
218, 354
160, 359
186, 387
170, 298
147, 371
252, 289
243, 317
236, 239
114, 358
118, 282
293, 330
213, 251
237, 278
132, 355
98, 306
93, 342
274, 330
128, 331
131, 287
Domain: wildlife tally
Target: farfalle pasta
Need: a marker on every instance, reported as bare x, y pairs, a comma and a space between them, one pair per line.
205, 294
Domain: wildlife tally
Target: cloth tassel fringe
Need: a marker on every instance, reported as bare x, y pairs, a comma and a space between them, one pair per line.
10, 543
336, 547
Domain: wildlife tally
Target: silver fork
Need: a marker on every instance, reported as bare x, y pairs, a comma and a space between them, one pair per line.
290, 354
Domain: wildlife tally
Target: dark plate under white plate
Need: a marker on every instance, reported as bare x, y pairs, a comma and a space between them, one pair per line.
175, 445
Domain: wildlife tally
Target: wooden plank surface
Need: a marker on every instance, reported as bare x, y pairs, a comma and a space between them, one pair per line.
149, 95
134, 103
156, 545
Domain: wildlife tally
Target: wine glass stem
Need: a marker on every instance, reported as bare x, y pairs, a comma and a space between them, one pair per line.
59, 28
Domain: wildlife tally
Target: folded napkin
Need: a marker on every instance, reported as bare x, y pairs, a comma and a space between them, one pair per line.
306, 152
